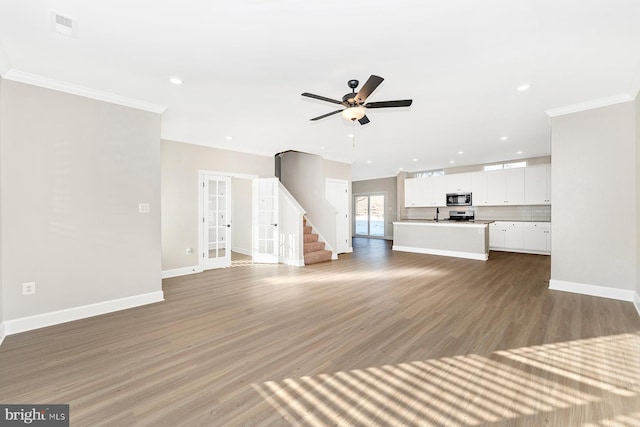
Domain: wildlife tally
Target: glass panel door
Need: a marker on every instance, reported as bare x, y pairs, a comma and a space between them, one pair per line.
376, 215
216, 220
265, 220
369, 215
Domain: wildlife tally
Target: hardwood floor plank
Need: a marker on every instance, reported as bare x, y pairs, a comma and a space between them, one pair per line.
375, 338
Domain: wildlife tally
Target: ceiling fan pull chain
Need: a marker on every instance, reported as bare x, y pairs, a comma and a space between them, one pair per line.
353, 133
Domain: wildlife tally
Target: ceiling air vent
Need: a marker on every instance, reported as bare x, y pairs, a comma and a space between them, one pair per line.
64, 25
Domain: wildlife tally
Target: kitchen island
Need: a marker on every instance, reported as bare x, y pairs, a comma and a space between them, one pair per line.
461, 239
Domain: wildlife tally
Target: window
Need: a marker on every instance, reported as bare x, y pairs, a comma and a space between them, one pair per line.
427, 174
511, 165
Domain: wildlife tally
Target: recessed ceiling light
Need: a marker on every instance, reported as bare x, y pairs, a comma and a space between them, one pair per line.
452, 161
350, 136
175, 80
228, 138
415, 160
460, 152
523, 87
369, 161
323, 148
518, 152
504, 138
401, 169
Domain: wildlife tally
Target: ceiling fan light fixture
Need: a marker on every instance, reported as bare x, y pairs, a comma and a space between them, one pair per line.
353, 113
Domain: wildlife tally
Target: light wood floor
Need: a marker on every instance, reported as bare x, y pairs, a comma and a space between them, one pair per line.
376, 338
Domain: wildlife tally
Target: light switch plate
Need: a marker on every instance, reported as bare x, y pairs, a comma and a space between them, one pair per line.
144, 208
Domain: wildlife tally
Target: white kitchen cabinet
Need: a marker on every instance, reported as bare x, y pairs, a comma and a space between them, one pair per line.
415, 192
526, 237
537, 237
437, 191
496, 235
425, 192
505, 187
537, 185
479, 189
505, 235
458, 183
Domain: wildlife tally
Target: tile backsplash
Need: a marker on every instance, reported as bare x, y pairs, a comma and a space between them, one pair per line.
491, 213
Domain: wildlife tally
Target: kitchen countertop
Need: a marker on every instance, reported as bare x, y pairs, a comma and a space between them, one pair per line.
477, 221
443, 222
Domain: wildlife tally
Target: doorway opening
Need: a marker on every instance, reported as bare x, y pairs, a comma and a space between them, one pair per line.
369, 215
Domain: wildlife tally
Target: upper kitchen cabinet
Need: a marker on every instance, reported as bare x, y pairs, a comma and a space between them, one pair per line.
415, 192
537, 185
479, 189
424, 192
458, 183
505, 187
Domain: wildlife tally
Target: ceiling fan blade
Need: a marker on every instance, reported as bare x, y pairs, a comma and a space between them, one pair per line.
326, 115
368, 88
387, 104
321, 98
364, 120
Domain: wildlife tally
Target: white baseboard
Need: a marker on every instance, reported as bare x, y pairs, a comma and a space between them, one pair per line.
166, 274
521, 251
2, 333
293, 262
636, 302
467, 255
29, 323
242, 251
592, 290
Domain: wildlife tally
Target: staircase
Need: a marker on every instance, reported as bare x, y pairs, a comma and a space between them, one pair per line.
314, 250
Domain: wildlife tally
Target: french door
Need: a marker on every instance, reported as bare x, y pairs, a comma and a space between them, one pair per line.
369, 215
216, 221
266, 237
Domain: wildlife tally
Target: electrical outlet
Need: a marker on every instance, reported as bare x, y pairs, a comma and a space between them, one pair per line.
28, 288
189, 251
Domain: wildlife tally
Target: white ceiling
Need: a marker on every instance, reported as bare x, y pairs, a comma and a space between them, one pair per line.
245, 63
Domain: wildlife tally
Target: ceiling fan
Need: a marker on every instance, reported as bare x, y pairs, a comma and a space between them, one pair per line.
355, 102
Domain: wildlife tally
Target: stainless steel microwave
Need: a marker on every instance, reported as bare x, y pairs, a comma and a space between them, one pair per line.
458, 199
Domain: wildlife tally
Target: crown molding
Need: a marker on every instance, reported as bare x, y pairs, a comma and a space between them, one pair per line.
589, 105
48, 83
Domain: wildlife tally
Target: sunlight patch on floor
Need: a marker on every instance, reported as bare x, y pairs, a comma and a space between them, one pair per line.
472, 389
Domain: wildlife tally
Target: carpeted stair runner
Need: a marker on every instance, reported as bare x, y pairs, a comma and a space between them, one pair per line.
314, 250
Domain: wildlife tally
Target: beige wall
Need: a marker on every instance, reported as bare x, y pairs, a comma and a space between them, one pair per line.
594, 168
1, 238
305, 175
637, 296
180, 165
242, 212
73, 173
388, 187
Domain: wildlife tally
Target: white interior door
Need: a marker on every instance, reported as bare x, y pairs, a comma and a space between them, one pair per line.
216, 220
265, 220
337, 193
